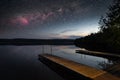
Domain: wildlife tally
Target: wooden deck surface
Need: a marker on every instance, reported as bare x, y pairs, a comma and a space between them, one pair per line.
84, 70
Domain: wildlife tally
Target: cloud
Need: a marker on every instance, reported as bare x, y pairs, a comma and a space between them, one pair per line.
66, 31
58, 36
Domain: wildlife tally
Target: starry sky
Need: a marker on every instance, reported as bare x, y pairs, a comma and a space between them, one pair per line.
48, 19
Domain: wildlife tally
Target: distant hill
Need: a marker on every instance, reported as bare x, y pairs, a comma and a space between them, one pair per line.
22, 41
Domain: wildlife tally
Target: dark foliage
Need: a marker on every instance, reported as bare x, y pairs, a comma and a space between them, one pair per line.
22, 42
108, 38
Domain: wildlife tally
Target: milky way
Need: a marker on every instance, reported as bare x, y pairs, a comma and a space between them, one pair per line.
50, 18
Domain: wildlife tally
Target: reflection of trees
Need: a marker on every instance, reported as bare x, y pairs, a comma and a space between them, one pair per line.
111, 66
105, 64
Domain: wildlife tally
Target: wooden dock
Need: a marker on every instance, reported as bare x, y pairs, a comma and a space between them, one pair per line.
99, 54
86, 72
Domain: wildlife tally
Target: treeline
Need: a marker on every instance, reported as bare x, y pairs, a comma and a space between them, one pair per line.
22, 41
108, 37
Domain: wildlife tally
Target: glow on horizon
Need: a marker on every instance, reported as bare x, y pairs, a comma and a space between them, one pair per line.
81, 31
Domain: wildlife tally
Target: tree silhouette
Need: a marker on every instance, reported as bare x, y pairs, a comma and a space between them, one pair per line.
112, 18
108, 38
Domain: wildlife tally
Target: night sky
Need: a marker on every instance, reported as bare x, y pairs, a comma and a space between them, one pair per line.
50, 18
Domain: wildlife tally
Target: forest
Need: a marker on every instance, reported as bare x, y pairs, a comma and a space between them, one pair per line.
107, 39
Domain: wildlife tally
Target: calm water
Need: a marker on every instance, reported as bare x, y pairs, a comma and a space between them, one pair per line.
21, 62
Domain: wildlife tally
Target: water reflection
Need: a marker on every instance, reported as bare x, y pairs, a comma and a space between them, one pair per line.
21, 62
93, 61
104, 65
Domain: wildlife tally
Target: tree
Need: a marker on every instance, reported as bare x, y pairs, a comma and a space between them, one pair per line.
108, 38
112, 18
110, 26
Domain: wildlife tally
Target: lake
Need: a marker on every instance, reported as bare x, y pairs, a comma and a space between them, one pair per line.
21, 62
